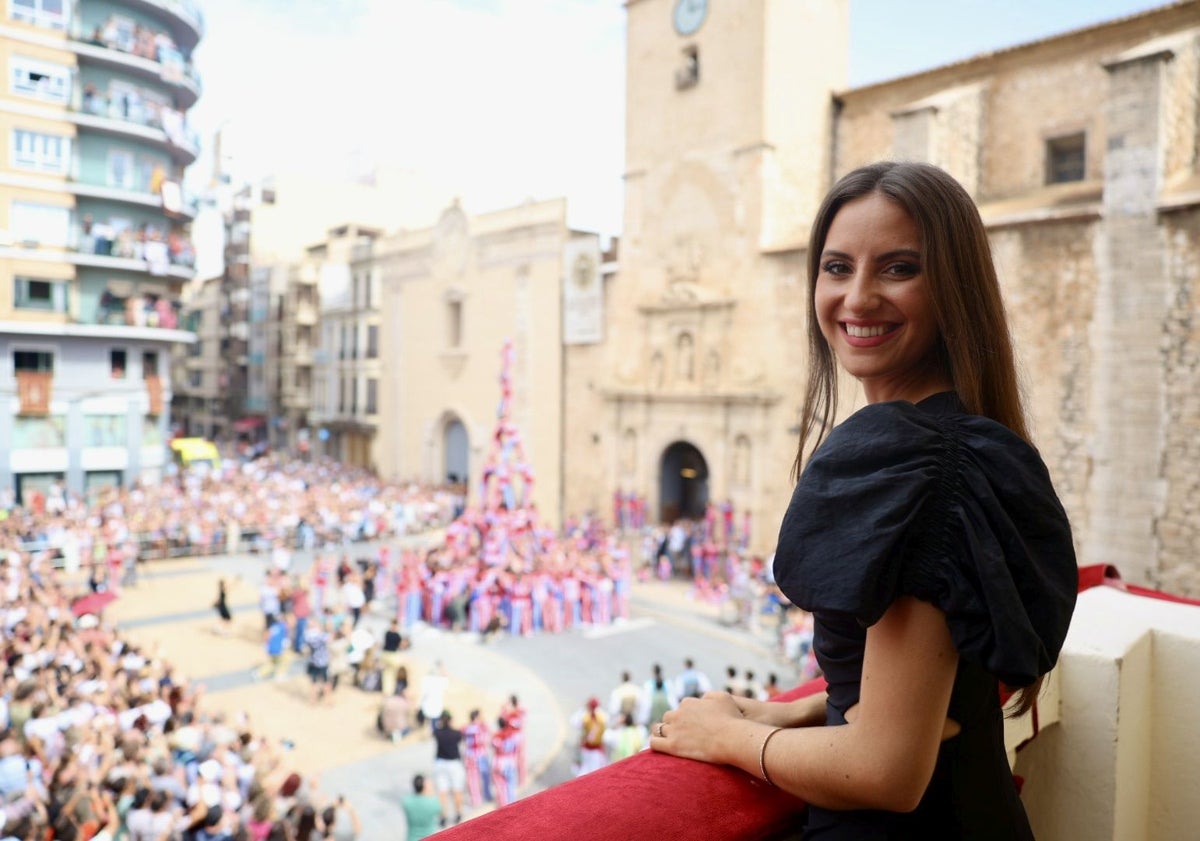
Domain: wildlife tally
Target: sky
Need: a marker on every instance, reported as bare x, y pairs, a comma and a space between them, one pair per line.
499, 101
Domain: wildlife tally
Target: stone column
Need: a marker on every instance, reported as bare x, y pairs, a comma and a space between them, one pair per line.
1126, 496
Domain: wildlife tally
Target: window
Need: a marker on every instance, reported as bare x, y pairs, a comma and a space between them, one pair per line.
353, 385
150, 363
341, 395
33, 360
48, 13
39, 224
343, 344
41, 152
195, 378
1065, 159
354, 341
116, 363
41, 80
372, 396
47, 295
372, 341
454, 323
688, 75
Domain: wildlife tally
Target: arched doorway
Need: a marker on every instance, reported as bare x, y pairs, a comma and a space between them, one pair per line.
455, 446
683, 483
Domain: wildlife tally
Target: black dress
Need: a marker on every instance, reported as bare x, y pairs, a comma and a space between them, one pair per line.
956, 510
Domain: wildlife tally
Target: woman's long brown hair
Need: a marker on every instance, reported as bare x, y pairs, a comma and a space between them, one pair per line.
974, 345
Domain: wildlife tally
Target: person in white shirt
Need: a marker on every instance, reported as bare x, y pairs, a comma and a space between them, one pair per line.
353, 598
433, 693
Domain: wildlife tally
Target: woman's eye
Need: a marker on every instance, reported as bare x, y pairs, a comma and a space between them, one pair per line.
835, 267
903, 270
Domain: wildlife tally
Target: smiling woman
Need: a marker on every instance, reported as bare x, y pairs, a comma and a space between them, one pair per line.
924, 535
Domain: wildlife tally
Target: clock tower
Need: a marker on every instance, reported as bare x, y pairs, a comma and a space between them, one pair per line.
729, 109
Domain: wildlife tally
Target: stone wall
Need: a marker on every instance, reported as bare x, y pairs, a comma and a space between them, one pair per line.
1178, 526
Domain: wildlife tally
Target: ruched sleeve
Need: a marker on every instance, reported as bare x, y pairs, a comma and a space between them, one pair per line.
953, 509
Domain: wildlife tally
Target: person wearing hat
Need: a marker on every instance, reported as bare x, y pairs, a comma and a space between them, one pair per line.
592, 724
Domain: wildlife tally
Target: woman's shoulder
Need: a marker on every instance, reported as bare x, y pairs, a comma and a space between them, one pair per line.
917, 443
928, 500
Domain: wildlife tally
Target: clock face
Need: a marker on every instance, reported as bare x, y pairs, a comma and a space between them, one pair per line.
689, 15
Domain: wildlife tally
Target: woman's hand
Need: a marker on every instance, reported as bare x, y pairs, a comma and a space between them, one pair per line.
803, 712
699, 728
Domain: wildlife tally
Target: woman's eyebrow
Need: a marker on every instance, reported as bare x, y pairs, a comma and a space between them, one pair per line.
887, 255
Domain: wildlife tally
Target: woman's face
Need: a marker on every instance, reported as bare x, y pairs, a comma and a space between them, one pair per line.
873, 304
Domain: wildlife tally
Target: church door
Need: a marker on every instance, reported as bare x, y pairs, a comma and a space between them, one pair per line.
683, 486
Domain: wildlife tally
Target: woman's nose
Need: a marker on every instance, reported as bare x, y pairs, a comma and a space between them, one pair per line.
860, 293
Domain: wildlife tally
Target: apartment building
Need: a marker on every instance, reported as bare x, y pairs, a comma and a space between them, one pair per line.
94, 245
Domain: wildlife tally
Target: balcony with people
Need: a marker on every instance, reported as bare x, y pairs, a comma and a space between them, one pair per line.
126, 178
122, 43
136, 309
184, 18
159, 249
126, 109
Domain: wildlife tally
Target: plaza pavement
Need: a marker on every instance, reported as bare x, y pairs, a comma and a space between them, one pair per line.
337, 747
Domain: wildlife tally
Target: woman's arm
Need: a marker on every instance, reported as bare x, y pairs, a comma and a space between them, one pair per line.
883, 760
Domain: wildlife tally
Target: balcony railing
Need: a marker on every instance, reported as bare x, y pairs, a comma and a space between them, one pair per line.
647, 797
153, 190
187, 13
119, 111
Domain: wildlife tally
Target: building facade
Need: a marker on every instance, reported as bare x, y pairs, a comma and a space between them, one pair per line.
267, 302
94, 245
344, 374
453, 295
1092, 201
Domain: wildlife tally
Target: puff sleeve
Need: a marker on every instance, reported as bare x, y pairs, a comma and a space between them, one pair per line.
953, 509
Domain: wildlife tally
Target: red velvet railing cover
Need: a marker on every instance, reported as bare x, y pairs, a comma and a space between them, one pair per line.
649, 796
654, 797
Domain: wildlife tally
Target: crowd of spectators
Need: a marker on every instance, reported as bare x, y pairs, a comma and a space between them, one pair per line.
100, 738
244, 505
